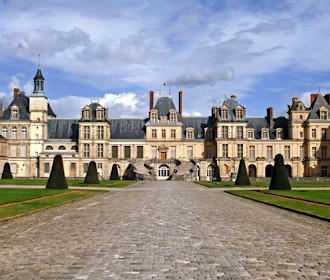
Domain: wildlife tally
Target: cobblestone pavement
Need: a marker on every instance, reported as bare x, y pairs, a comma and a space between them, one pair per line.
164, 230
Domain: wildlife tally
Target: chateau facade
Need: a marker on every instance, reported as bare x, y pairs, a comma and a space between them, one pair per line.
165, 145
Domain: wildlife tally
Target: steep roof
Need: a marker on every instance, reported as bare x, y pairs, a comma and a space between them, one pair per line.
22, 102
198, 124
63, 129
315, 107
231, 104
258, 123
164, 105
127, 128
93, 106
38, 75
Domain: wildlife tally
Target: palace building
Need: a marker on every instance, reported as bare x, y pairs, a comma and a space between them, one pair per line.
164, 145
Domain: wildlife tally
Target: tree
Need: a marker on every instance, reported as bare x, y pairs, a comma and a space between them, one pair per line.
6, 174
217, 173
56, 178
129, 173
280, 179
114, 173
242, 176
91, 175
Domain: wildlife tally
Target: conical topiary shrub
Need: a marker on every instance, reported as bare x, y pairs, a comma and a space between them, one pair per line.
6, 174
91, 175
242, 176
114, 173
280, 180
217, 173
56, 178
129, 173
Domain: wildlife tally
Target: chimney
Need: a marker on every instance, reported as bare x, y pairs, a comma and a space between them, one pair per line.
180, 105
214, 112
313, 97
327, 98
270, 118
151, 94
294, 99
1, 113
233, 96
16, 92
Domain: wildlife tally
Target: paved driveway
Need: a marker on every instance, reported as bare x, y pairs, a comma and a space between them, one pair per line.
164, 230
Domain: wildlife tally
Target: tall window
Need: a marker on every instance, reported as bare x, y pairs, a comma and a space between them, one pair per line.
153, 152
189, 133
239, 114
302, 152
264, 134
172, 117
314, 152
173, 133
4, 131
86, 150
287, 152
86, 114
14, 133
13, 150
153, 116
324, 171
127, 151
239, 132
24, 132
239, 150
224, 114
164, 133
14, 114
225, 150
154, 133
208, 154
313, 133
250, 134
323, 115
225, 132
324, 134
23, 151
85, 166
252, 152
324, 152
46, 167
173, 152
100, 114
189, 152
100, 150
100, 132
279, 134
269, 153
87, 132
114, 151
139, 151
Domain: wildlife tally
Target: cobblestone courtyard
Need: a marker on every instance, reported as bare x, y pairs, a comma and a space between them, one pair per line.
164, 230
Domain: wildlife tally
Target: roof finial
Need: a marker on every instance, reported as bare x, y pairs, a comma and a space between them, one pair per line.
38, 60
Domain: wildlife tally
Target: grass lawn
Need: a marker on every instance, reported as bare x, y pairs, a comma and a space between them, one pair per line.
43, 182
262, 184
21, 195
319, 211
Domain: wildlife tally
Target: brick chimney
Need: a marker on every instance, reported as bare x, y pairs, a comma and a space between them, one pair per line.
233, 96
1, 112
313, 97
16, 92
270, 118
294, 99
327, 98
214, 112
151, 94
180, 105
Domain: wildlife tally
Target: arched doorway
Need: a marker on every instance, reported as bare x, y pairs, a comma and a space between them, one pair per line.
163, 172
225, 170
252, 170
210, 173
269, 170
288, 170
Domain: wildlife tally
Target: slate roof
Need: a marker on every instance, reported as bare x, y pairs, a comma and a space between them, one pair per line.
38, 75
63, 129
198, 124
127, 128
231, 104
315, 107
164, 105
93, 107
258, 123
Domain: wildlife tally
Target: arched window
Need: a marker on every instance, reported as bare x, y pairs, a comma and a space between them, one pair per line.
164, 172
61, 148
4, 131
24, 132
252, 170
49, 148
14, 132
210, 173
269, 170
74, 148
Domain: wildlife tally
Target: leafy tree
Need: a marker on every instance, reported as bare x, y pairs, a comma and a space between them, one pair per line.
91, 175
6, 174
129, 173
114, 173
56, 178
280, 179
242, 176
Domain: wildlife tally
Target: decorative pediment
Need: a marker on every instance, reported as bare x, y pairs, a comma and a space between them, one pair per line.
163, 148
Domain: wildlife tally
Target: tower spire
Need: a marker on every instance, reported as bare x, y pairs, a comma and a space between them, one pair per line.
38, 82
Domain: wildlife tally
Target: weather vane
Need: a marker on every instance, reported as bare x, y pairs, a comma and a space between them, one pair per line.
38, 60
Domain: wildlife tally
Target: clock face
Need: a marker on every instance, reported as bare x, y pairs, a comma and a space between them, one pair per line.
36, 103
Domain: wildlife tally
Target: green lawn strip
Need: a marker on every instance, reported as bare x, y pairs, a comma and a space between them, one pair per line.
15, 195
322, 212
229, 184
319, 196
309, 184
106, 184
23, 208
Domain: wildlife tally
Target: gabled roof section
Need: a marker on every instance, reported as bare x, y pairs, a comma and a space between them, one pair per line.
22, 102
93, 107
164, 105
315, 107
51, 112
198, 124
127, 128
231, 104
258, 123
63, 129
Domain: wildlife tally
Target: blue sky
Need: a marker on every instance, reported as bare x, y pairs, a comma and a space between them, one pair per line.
265, 52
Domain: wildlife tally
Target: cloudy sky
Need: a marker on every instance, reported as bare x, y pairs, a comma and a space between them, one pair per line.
265, 52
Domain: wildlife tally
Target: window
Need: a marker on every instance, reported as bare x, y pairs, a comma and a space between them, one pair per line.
24, 132
49, 148
324, 134
13, 150
139, 151
189, 133
208, 154
13, 168
269, 153
114, 151
14, 133
324, 152
173, 133
153, 152
287, 152
153, 116
324, 171
4, 132
279, 133
100, 150
239, 150
127, 151
301, 117
87, 114
210, 173
250, 134
323, 115
239, 114
314, 152
224, 114
74, 148
154, 133
225, 132
189, 152
264, 134
23, 151
173, 117
99, 166
301, 134
302, 152
14, 114
225, 150
164, 133
252, 153
239, 131
61, 148
85, 167
46, 167
87, 132
86, 150
173, 152
100, 132
100, 114
313, 133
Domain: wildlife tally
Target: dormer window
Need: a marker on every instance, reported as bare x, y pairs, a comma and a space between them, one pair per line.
190, 133
4, 131
153, 115
323, 115
86, 113
14, 113
239, 114
224, 114
100, 113
250, 134
173, 116
265, 133
279, 133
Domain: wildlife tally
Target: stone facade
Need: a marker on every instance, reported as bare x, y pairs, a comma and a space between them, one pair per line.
164, 145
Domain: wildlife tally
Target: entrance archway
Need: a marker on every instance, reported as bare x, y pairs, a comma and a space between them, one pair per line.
163, 172
269, 170
288, 170
252, 170
210, 173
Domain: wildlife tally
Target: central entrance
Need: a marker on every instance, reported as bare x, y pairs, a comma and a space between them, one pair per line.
163, 172
163, 155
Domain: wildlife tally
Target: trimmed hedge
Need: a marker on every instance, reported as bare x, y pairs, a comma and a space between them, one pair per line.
91, 175
6, 174
280, 179
56, 178
217, 173
129, 173
242, 176
114, 173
